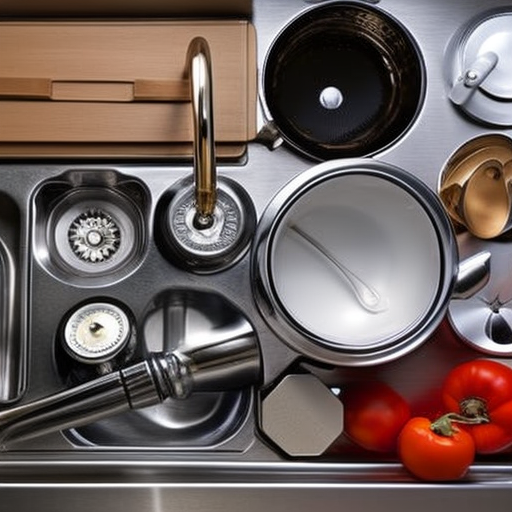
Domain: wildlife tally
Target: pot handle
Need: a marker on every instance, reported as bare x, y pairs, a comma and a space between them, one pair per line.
473, 274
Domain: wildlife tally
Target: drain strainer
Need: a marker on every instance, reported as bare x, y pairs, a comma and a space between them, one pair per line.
93, 233
94, 236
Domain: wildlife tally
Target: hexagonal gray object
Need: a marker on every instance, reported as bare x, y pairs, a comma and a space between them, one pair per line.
302, 416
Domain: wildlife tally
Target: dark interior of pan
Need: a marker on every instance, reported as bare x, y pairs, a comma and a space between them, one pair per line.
343, 80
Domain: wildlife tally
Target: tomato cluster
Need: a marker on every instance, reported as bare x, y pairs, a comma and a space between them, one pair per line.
477, 396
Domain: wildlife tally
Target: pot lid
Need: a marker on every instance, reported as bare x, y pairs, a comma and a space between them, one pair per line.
481, 69
493, 35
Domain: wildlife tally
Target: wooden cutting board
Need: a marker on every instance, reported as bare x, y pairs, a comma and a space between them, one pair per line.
114, 88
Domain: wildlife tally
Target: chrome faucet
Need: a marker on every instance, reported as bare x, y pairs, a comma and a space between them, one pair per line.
201, 90
229, 360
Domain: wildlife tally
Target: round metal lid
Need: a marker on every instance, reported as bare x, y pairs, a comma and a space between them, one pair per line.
493, 35
480, 69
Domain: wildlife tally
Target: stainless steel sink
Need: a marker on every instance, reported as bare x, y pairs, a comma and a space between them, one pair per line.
210, 452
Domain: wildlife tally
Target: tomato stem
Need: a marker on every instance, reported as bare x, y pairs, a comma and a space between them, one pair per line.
443, 426
474, 407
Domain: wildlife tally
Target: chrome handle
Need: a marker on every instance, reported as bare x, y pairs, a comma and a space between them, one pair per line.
471, 79
473, 274
229, 361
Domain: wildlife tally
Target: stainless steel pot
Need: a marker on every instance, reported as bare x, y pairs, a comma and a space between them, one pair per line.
355, 262
343, 79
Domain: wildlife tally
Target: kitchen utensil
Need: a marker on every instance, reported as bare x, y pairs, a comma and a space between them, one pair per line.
479, 69
385, 226
215, 365
207, 225
364, 293
176, 319
342, 79
485, 325
475, 185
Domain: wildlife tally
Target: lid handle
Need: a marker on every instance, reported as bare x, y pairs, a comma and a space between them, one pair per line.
472, 77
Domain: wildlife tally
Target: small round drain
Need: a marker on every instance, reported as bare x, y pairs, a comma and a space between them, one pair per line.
96, 332
94, 236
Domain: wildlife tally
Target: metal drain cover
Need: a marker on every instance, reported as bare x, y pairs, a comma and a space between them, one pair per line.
94, 232
94, 236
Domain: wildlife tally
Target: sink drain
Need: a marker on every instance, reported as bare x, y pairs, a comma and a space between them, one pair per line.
94, 236
92, 233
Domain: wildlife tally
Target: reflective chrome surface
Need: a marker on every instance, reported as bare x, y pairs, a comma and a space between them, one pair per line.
199, 64
228, 362
479, 63
108, 200
207, 225
13, 314
356, 207
106, 466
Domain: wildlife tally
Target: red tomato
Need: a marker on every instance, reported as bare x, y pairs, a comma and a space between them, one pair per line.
482, 389
374, 415
432, 456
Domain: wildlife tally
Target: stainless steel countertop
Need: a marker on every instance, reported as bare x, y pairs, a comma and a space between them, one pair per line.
50, 473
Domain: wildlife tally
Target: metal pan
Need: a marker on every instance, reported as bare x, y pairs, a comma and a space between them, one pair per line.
343, 79
355, 263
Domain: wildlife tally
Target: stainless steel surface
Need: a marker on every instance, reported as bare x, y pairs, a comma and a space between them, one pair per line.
145, 469
301, 416
208, 247
366, 295
207, 226
356, 208
12, 340
472, 275
105, 201
94, 236
229, 362
96, 332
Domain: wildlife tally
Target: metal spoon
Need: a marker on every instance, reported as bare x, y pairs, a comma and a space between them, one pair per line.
367, 296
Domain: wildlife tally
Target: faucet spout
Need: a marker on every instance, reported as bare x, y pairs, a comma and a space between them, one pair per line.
199, 69
227, 361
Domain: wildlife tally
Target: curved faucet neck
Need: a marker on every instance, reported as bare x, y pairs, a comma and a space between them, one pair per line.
201, 89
